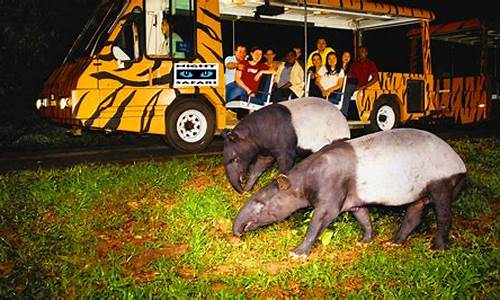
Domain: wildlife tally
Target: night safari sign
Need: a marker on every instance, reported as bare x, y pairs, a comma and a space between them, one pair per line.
196, 74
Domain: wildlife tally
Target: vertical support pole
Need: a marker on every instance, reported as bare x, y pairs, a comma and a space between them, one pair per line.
306, 57
426, 48
234, 34
355, 42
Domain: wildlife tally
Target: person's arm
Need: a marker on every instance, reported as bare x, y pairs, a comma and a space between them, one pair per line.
373, 80
297, 76
373, 74
338, 86
259, 74
240, 82
230, 64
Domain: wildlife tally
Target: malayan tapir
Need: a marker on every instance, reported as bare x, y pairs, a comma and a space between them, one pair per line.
282, 131
392, 168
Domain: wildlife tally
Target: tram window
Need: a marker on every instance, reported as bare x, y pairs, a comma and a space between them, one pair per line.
183, 26
170, 30
127, 46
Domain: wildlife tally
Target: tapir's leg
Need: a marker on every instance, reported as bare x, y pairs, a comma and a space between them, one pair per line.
412, 219
322, 217
286, 160
441, 198
361, 214
259, 167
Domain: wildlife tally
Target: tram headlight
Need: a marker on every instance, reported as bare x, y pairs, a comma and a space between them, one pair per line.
38, 103
65, 102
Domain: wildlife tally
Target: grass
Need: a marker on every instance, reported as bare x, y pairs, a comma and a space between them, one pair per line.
164, 230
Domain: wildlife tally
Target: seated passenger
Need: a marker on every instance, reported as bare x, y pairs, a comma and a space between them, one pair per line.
364, 71
313, 72
233, 63
269, 55
331, 79
247, 80
349, 88
289, 79
322, 49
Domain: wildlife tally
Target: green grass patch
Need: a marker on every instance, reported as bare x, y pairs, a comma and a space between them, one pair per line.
164, 230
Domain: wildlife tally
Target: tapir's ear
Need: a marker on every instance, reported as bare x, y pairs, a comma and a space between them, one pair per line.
229, 135
283, 182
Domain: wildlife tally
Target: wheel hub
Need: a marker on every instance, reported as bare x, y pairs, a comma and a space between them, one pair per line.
192, 125
386, 117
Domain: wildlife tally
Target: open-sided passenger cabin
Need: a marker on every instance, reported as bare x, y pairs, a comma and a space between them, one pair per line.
383, 104
398, 97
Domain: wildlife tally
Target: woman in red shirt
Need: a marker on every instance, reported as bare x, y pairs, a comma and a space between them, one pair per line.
248, 79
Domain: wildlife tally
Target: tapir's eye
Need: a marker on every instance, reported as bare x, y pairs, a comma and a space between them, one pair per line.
186, 74
206, 74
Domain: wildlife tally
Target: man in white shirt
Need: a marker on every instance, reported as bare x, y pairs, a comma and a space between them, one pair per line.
289, 79
232, 63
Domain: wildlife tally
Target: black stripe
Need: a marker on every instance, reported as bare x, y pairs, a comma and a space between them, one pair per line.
210, 14
106, 57
145, 128
208, 30
219, 58
156, 65
165, 79
101, 107
219, 95
77, 107
114, 122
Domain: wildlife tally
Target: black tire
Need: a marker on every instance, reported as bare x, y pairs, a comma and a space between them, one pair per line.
385, 115
190, 125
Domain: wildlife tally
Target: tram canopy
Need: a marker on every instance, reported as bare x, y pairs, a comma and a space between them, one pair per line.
338, 14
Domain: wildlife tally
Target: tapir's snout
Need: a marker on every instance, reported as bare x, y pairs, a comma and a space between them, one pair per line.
242, 228
243, 222
235, 178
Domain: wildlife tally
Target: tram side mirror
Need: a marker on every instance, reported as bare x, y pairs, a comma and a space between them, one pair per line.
120, 56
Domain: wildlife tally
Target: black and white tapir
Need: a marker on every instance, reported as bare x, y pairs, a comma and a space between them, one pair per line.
397, 167
283, 132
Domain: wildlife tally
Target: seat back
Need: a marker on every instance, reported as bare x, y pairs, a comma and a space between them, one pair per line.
342, 94
265, 87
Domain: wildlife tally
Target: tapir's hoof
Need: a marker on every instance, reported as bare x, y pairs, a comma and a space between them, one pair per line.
392, 244
439, 246
296, 256
362, 243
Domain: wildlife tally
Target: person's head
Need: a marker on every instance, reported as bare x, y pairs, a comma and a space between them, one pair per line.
331, 62
346, 58
270, 54
240, 52
316, 60
290, 57
298, 52
321, 44
256, 54
363, 53
165, 27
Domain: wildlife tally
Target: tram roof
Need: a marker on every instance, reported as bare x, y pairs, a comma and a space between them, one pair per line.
464, 32
338, 14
